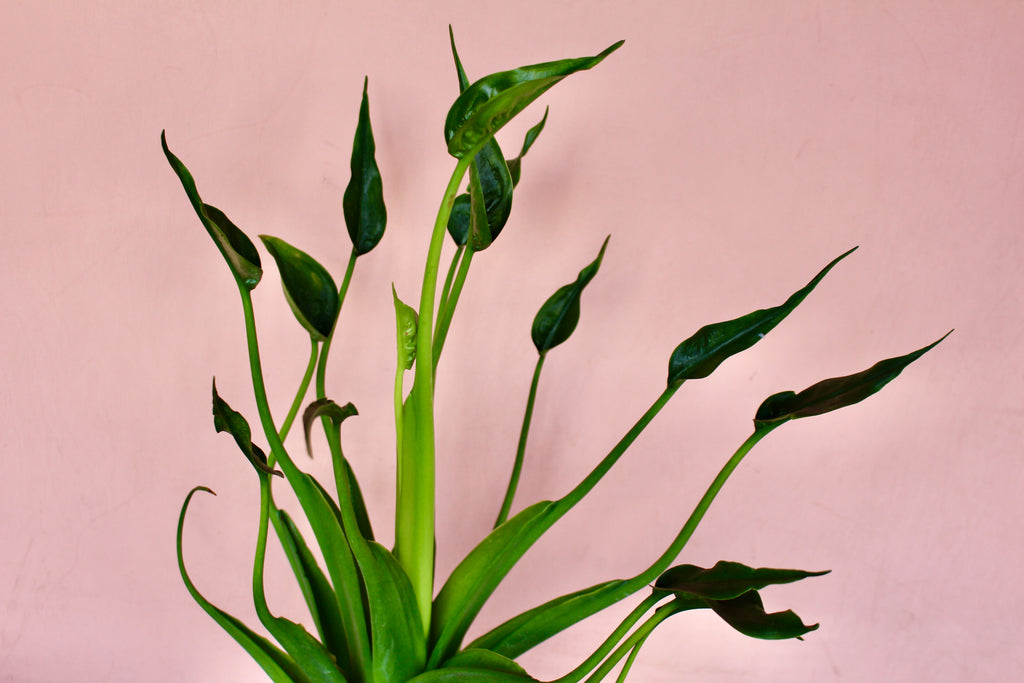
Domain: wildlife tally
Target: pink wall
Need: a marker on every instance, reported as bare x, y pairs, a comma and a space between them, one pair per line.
730, 150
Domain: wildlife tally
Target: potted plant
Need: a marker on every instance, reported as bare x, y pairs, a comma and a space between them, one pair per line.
374, 614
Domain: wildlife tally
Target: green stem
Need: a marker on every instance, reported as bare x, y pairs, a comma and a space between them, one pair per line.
635, 639
321, 371
414, 518
629, 660
611, 641
517, 468
300, 395
258, 593
446, 289
447, 311
357, 636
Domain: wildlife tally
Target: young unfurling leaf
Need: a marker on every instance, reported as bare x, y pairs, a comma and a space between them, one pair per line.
557, 318
365, 213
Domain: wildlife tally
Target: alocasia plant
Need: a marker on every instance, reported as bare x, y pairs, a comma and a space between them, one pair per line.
373, 610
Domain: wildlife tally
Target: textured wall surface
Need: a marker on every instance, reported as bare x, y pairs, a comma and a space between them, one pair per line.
730, 149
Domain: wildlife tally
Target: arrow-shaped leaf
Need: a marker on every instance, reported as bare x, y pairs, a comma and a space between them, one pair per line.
726, 580
488, 104
324, 407
237, 249
308, 287
558, 317
703, 352
365, 213
225, 419
838, 392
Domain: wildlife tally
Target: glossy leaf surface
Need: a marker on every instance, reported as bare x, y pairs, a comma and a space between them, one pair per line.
363, 203
225, 419
558, 317
277, 664
699, 355
308, 287
237, 249
515, 165
838, 392
747, 615
726, 580
489, 103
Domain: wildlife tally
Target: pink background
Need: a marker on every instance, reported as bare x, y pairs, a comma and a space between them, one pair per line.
730, 148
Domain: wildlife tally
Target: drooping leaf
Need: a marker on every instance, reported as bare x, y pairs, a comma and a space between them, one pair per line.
746, 614
324, 407
726, 580
275, 662
489, 103
365, 213
237, 249
316, 589
838, 392
557, 318
515, 165
308, 287
225, 419
699, 355
406, 322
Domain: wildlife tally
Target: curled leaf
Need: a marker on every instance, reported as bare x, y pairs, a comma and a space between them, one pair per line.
488, 104
325, 407
558, 317
838, 392
308, 287
726, 580
406, 322
225, 419
699, 355
363, 203
747, 615
236, 248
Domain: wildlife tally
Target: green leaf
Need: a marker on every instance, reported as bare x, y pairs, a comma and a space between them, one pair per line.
275, 662
365, 213
726, 580
557, 318
490, 187
317, 590
458, 219
308, 287
838, 392
399, 643
488, 104
406, 322
227, 420
476, 658
468, 675
237, 249
324, 407
515, 166
473, 581
699, 355
307, 651
746, 614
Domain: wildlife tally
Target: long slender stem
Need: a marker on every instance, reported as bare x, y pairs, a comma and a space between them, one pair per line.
414, 514
632, 658
446, 289
611, 641
321, 371
637, 637
447, 312
300, 395
258, 593
524, 432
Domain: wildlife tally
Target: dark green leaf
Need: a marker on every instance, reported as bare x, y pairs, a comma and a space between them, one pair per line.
406, 324
746, 614
308, 287
726, 580
838, 392
276, 663
458, 220
488, 104
237, 249
320, 597
475, 658
702, 353
515, 165
227, 420
365, 214
460, 72
324, 407
558, 317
